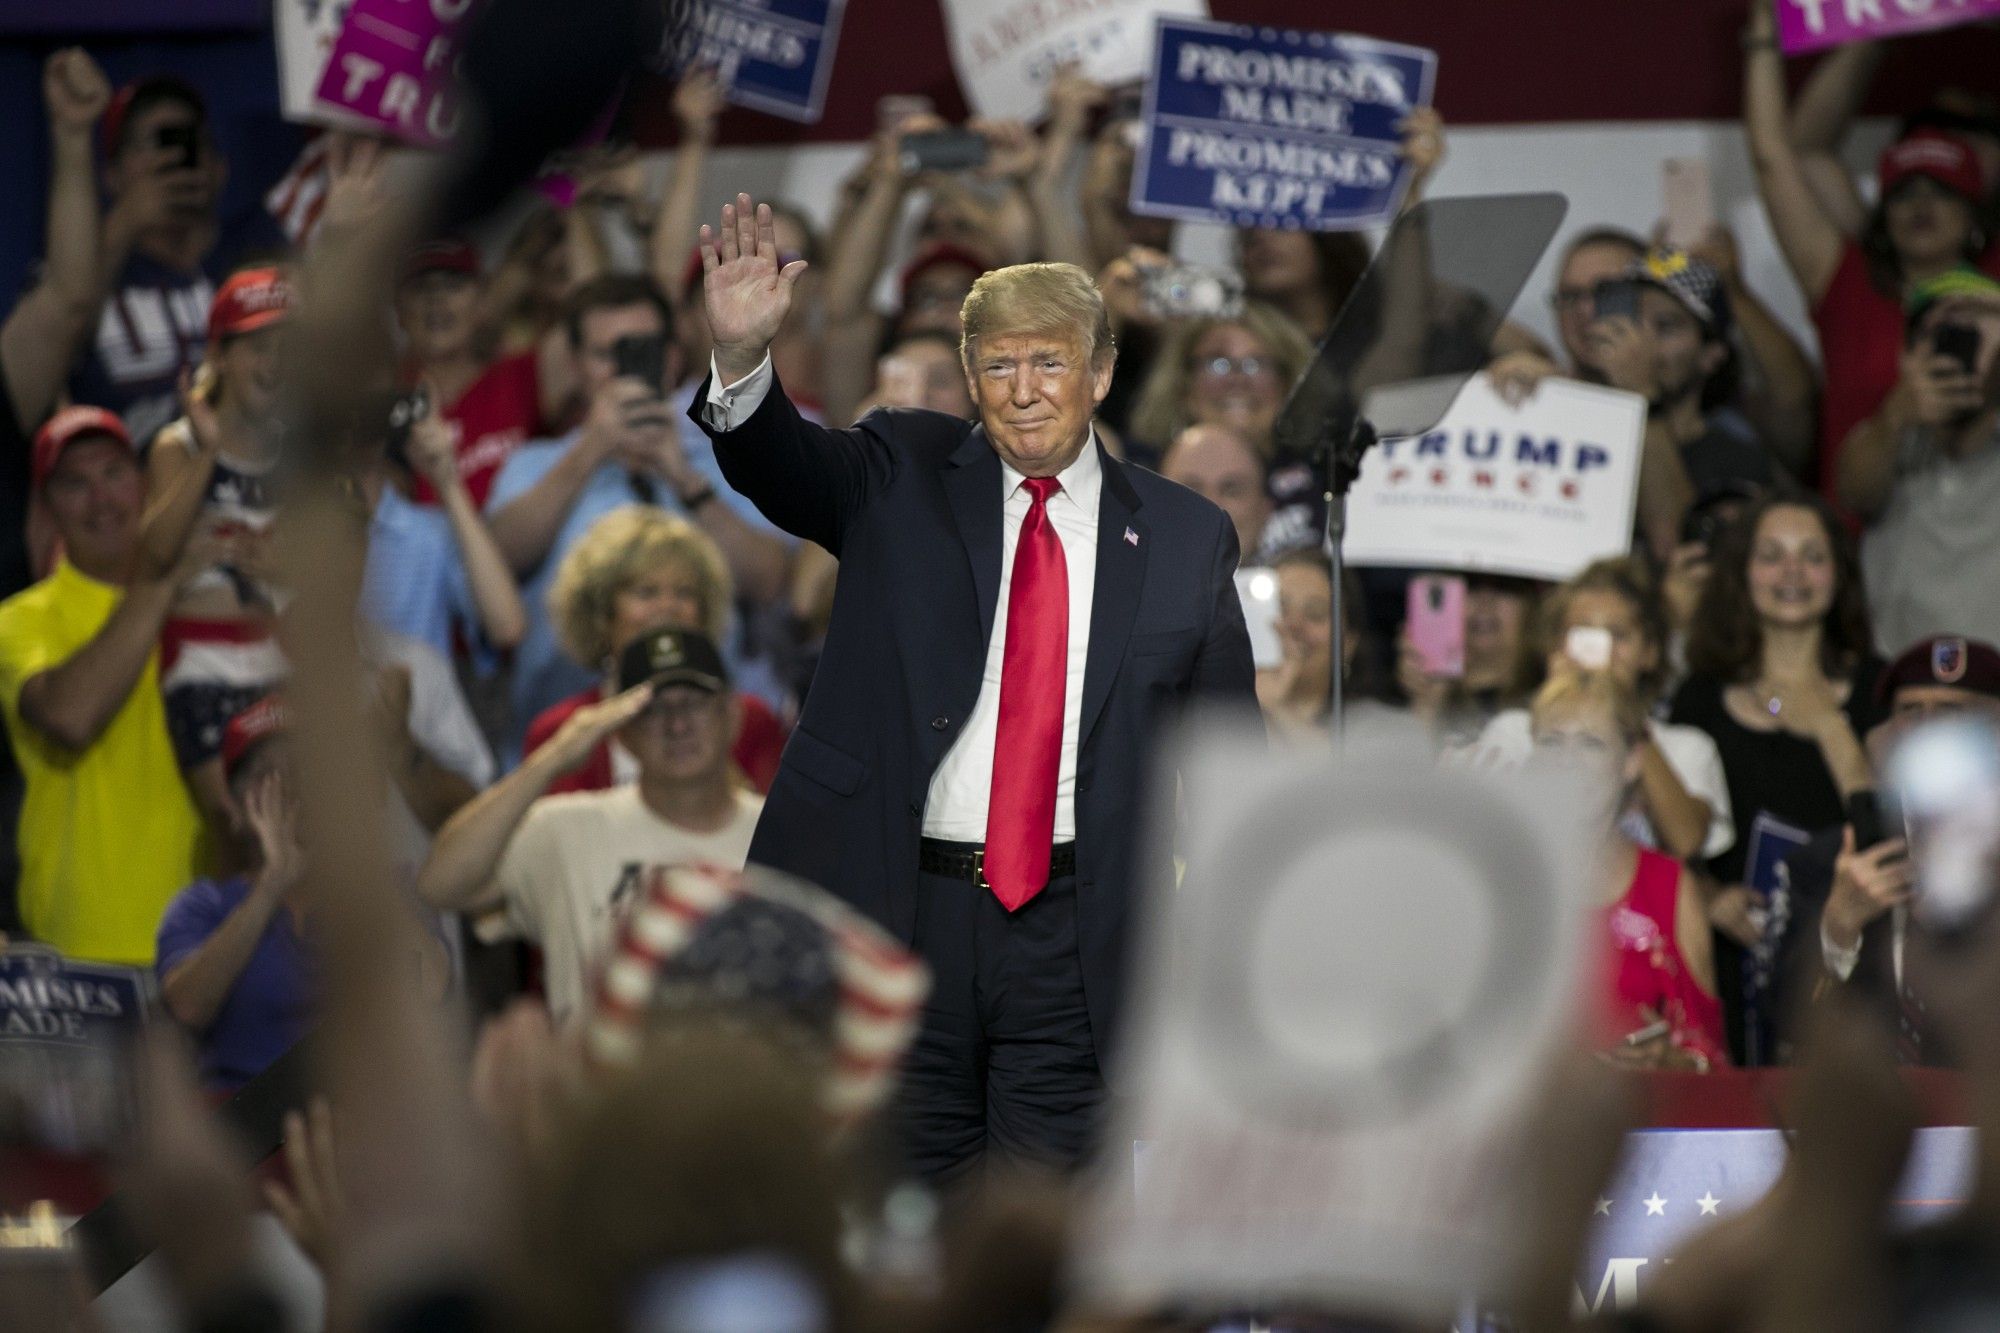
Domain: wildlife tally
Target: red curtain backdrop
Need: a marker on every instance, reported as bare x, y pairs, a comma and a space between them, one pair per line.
1524, 61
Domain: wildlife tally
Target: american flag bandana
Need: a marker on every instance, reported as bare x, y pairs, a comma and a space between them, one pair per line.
702, 936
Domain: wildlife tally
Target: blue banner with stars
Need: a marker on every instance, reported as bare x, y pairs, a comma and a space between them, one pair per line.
1673, 1182
1273, 127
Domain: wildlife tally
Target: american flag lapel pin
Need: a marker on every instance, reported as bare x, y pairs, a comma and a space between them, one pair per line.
1131, 537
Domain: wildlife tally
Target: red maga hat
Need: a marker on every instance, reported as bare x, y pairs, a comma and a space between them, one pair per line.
248, 301
64, 429
1945, 159
249, 729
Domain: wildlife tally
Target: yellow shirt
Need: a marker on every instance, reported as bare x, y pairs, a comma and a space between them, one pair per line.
107, 836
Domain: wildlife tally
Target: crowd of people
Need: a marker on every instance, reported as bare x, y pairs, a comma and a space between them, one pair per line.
585, 651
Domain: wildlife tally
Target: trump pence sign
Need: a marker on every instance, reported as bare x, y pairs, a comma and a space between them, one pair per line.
1538, 490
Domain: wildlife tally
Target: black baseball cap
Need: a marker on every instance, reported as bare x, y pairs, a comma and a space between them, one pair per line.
673, 657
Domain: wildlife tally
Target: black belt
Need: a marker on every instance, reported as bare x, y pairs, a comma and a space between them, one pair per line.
967, 860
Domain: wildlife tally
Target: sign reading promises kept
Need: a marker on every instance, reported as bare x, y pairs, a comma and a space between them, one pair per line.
1271, 127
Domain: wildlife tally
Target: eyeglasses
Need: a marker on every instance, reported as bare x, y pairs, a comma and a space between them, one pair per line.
1219, 366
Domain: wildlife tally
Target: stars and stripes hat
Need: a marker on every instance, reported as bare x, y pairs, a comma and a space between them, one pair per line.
702, 940
1695, 283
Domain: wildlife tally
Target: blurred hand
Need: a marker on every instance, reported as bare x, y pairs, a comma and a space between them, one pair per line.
433, 451
1738, 912
310, 1206
1939, 389
1012, 150
745, 293
356, 188
158, 192
1423, 142
520, 1073
590, 725
1516, 375
698, 101
268, 812
74, 90
628, 423
1682, 584
1865, 885
1124, 287
1073, 96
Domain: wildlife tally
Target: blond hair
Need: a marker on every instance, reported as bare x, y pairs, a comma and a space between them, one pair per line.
1161, 409
612, 555
1570, 691
1036, 298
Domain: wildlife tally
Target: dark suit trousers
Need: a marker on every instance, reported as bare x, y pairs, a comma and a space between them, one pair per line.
1005, 1060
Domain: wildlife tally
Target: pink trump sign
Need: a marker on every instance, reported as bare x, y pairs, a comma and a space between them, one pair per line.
392, 66
1808, 25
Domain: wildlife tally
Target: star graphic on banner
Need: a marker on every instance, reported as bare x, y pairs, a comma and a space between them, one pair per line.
1655, 1206
1707, 1203
1602, 1208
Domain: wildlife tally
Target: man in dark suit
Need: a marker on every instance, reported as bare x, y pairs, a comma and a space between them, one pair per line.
1016, 611
1851, 886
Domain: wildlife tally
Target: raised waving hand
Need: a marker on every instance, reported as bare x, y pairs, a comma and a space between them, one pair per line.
745, 291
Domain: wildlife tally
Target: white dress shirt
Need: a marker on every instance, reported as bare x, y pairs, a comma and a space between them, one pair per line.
955, 809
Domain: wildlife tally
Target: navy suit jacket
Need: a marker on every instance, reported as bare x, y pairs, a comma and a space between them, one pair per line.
910, 501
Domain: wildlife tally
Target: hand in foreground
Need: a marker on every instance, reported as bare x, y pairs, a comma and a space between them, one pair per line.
309, 1204
745, 293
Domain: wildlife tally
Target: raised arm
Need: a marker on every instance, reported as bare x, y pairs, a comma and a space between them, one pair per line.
73, 702
697, 103
197, 985
1071, 100
1781, 389
458, 875
495, 595
1809, 240
1821, 113
178, 470
41, 335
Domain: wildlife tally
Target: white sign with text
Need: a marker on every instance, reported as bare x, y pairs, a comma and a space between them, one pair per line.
1538, 490
1006, 51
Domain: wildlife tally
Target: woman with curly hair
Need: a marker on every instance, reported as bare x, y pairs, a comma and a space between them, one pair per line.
636, 570
1782, 677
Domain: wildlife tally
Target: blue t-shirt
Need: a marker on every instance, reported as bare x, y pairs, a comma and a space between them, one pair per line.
543, 672
270, 1006
414, 582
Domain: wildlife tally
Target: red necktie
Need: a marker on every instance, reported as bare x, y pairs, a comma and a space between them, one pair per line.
1034, 674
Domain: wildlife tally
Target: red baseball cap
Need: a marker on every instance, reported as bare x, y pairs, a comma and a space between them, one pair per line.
249, 300
66, 428
935, 255
1947, 160
249, 729
111, 128
448, 254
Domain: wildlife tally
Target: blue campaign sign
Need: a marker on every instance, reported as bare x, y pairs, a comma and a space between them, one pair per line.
1671, 1183
772, 55
1271, 127
47, 999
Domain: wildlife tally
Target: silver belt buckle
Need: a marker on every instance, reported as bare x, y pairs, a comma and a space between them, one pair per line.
979, 870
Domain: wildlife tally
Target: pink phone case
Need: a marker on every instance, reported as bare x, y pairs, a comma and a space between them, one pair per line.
1436, 624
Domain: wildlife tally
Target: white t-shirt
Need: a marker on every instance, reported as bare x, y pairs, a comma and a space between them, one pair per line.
1689, 751
572, 867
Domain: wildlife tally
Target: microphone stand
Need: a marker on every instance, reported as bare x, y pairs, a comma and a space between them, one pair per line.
1338, 465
